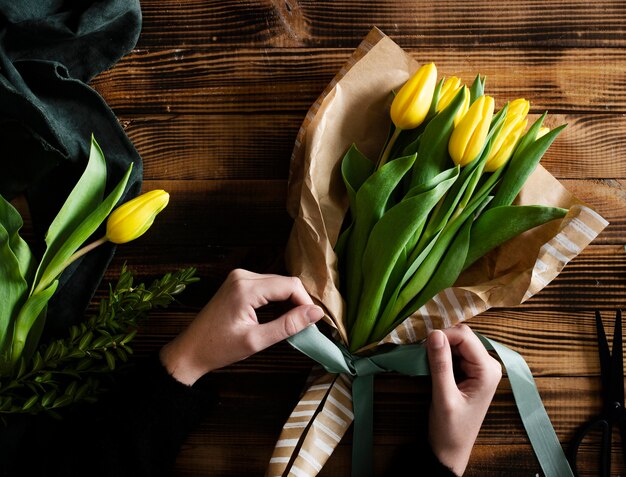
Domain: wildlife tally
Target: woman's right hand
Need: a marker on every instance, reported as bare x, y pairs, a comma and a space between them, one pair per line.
458, 408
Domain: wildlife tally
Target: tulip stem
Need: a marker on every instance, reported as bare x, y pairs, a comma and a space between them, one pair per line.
48, 277
385, 154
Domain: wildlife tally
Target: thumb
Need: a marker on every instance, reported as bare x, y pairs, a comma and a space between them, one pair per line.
440, 363
288, 324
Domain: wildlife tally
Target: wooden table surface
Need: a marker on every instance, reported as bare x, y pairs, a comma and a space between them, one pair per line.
213, 96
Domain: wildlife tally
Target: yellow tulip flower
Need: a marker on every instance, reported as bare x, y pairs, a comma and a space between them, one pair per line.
468, 137
412, 103
449, 90
133, 218
504, 143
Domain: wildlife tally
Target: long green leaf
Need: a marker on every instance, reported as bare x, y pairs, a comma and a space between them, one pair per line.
83, 199
13, 287
444, 276
355, 169
30, 311
386, 243
16, 269
371, 200
81, 233
12, 221
427, 268
496, 226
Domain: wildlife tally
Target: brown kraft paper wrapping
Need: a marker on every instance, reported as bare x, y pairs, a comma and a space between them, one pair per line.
354, 109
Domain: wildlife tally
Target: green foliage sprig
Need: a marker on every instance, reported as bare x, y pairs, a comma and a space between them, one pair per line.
71, 369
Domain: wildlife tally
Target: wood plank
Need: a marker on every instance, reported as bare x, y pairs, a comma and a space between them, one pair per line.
289, 80
259, 146
443, 24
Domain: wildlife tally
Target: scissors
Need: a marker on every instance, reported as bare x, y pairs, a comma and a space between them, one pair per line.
613, 413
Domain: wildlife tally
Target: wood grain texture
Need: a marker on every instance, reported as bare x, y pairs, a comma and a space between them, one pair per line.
213, 96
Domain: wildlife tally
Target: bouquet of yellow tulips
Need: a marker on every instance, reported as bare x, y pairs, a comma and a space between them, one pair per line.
416, 205
438, 198
31, 373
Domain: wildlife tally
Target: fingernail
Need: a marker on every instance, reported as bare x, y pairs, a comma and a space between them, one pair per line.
314, 314
435, 339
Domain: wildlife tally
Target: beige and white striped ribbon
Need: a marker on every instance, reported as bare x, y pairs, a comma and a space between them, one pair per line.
315, 427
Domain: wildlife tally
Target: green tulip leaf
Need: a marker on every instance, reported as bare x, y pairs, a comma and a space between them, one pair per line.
83, 199
355, 169
386, 243
444, 276
477, 89
421, 237
32, 310
81, 233
416, 283
500, 224
16, 269
371, 201
446, 273
433, 148
12, 221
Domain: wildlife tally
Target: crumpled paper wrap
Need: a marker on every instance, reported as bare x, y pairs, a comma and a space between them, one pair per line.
354, 109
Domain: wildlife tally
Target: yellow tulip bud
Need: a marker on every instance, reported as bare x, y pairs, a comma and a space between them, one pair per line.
133, 218
449, 90
412, 103
504, 143
497, 158
468, 137
543, 130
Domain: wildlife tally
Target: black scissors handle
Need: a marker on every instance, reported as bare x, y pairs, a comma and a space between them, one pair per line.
613, 412
606, 430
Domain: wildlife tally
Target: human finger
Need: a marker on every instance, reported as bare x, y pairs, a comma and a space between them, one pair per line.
466, 344
261, 289
286, 325
440, 364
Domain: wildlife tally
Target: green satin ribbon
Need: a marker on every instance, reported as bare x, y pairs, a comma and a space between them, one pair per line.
412, 360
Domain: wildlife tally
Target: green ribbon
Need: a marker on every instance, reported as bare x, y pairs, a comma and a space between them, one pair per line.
412, 360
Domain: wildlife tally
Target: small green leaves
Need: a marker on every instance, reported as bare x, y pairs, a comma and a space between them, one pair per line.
70, 369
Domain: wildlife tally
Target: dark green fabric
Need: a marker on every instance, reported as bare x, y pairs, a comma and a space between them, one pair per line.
49, 51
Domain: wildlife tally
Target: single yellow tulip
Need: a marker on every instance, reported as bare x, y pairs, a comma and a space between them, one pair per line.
497, 158
133, 218
449, 90
468, 137
504, 143
412, 103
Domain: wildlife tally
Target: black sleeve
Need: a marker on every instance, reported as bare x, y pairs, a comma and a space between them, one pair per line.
420, 461
136, 430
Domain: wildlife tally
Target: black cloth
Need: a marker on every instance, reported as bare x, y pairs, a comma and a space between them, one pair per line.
49, 51
134, 430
